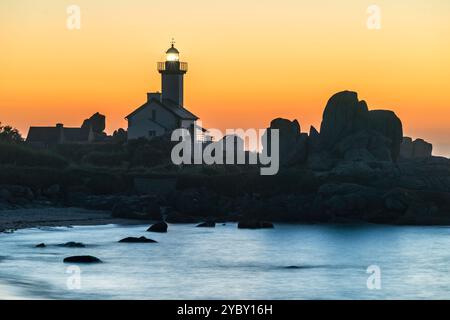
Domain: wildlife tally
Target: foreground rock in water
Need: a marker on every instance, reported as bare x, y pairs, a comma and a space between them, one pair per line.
137, 240
40, 245
73, 245
209, 224
255, 225
160, 227
82, 259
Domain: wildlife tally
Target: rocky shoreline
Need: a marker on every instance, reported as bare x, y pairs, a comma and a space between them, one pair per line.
358, 168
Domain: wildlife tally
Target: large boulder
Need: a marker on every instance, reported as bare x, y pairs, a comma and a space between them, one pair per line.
293, 145
82, 259
96, 122
350, 131
389, 125
137, 240
344, 115
417, 149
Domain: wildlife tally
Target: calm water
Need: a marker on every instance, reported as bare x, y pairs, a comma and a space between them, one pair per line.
227, 263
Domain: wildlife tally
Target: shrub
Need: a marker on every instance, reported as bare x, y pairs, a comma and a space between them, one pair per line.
23, 155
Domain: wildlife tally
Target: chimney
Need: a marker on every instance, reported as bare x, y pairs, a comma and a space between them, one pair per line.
154, 95
60, 128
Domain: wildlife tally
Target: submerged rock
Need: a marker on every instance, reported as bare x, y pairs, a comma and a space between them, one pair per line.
40, 245
82, 259
73, 245
160, 227
137, 240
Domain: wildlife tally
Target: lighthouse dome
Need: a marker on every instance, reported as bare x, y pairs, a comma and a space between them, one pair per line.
172, 54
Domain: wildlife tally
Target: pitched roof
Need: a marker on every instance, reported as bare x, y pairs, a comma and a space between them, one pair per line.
43, 134
169, 105
52, 134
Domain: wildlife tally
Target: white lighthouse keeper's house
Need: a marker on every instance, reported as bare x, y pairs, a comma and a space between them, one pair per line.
164, 112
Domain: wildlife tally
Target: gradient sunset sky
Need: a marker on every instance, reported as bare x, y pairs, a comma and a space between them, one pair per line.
249, 60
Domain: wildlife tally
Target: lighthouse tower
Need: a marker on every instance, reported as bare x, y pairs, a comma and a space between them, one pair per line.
172, 76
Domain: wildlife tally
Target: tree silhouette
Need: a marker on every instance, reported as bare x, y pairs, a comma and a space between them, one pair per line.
9, 134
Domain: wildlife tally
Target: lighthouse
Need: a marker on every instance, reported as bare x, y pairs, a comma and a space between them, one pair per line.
164, 111
172, 76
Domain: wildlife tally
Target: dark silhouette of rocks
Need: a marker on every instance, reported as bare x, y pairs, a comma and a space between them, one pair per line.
418, 148
137, 240
344, 115
389, 125
73, 245
41, 245
350, 131
160, 227
293, 144
96, 122
209, 224
82, 259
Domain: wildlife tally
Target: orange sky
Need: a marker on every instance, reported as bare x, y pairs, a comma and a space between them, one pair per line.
249, 61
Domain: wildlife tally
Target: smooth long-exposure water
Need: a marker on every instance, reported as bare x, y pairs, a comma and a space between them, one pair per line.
288, 262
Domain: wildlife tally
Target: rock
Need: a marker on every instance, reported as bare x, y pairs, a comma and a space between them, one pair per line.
365, 145
209, 224
73, 245
82, 259
347, 200
137, 240
160, 227
314, 140
344, 115
96, 122
422, 149
397, 200
417, 149
406, 148
389, 125
41, 245
255, 225
293, 145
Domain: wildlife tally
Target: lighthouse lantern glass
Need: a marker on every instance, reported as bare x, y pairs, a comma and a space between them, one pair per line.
171, 56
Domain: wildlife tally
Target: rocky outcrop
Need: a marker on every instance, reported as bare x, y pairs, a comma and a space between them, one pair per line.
416, 149
389, 125
352, 132
293, 145
344, 115
73, 245
82, 259
96, 122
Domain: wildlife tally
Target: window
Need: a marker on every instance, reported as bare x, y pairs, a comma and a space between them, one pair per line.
152, 133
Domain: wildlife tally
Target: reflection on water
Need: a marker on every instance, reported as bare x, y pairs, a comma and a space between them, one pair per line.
288, 262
